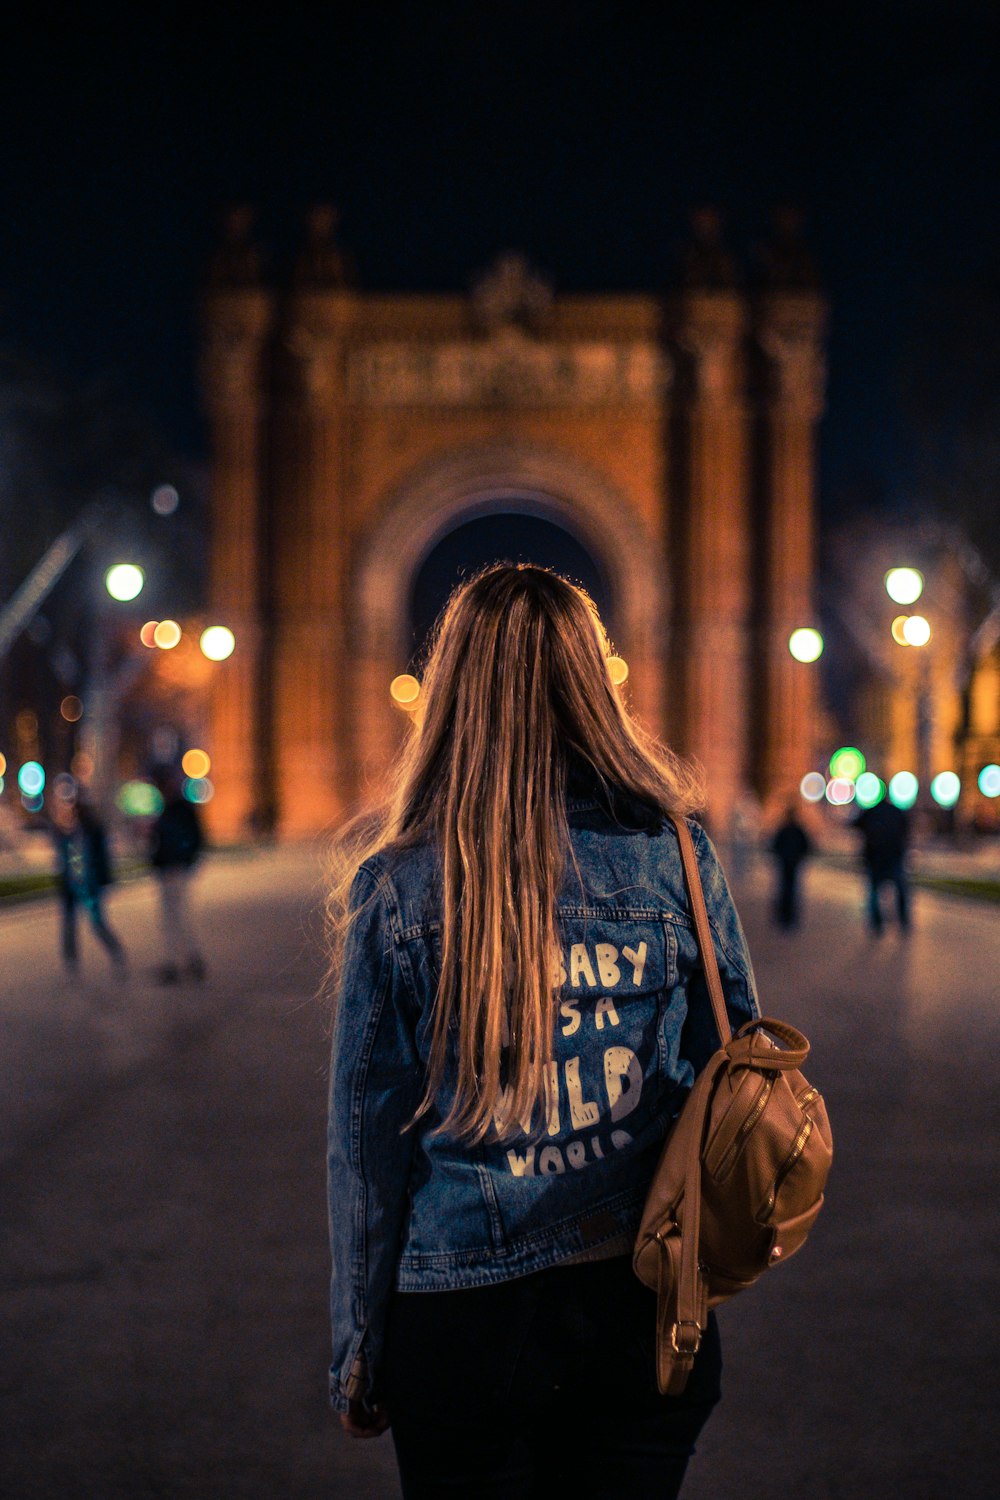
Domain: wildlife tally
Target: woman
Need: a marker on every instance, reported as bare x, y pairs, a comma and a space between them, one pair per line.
519, 1017
84, 871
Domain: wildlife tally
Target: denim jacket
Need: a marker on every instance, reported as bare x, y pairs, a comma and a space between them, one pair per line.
416, 1211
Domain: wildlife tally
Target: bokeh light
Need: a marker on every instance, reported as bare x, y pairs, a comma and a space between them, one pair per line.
82, 765
618, 667
903, 788
167, 635
140, 799
404, 690
806, 644
989, 780
904, 585
869, 789
31, 778
147, 634
847, 762
946, 788
3, 764
2, 785
32, 804
896, 629
916, 631
164, 499
198, 789
840, 791
195, 763
124, 582
65, 787
71, 708
217, 642
813, 786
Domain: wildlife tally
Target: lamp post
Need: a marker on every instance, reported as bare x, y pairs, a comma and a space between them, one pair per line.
905, 586
123, 582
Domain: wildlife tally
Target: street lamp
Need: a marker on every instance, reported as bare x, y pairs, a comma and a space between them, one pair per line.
806, 644
217, 642
124, 582
904, 585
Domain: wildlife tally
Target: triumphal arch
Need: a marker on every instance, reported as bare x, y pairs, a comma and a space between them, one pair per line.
672, 435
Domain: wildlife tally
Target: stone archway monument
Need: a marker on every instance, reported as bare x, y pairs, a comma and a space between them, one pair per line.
673, 436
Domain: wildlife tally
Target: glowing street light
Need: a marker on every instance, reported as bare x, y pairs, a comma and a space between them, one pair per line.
847, 762
124, 582
167, 635
916, 631
869, 789
196, 764
946, 789
217, 642
904, 585
903, 789
813, 786
404, 691
806, 644
31, 779
989, 780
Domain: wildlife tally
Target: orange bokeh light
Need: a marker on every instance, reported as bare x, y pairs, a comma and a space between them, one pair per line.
167, 635
195, 764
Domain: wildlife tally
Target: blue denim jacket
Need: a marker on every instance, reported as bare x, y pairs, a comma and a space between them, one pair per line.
419, 1212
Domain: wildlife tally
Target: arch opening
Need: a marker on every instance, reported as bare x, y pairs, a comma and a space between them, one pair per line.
513, 529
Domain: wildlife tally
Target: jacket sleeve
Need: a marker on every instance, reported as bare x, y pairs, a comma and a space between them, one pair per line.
376, 1079
700, 1037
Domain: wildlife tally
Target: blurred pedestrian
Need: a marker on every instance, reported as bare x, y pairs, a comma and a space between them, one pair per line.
84, 870
885, 836
176, 843
791, 847
520, 1010
744, 836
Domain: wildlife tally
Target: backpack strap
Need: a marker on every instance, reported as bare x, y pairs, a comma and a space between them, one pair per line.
682, 1315
702, 927
682, 1297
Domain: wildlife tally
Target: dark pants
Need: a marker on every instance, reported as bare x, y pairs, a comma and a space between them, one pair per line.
786, 900
541, 1386
894, 875
90, 900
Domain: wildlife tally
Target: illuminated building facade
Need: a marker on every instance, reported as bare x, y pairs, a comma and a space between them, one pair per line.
674, 436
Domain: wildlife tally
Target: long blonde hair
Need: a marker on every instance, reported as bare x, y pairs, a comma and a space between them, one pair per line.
516, 691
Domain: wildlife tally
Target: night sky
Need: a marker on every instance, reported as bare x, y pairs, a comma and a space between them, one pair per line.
583, 134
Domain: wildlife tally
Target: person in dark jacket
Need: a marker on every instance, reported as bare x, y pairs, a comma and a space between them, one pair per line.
519, 1014
84, 870
885, 835
791, 846
176, 843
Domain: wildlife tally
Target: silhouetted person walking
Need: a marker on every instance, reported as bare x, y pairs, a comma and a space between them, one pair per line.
176, 842
791, 846
84, 870
885, 833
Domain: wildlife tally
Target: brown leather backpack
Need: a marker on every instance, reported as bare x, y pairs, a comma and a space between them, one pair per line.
740, 1181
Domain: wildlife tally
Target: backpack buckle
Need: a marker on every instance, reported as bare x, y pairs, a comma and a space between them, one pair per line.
694, 1340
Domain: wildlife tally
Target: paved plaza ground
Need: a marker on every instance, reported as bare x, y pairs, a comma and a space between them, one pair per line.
163, 1252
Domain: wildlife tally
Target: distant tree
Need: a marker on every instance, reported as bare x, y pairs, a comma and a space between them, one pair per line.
63, 446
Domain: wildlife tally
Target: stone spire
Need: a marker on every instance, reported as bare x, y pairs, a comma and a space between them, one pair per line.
237, 260
322, 263
706, 264
784, 262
